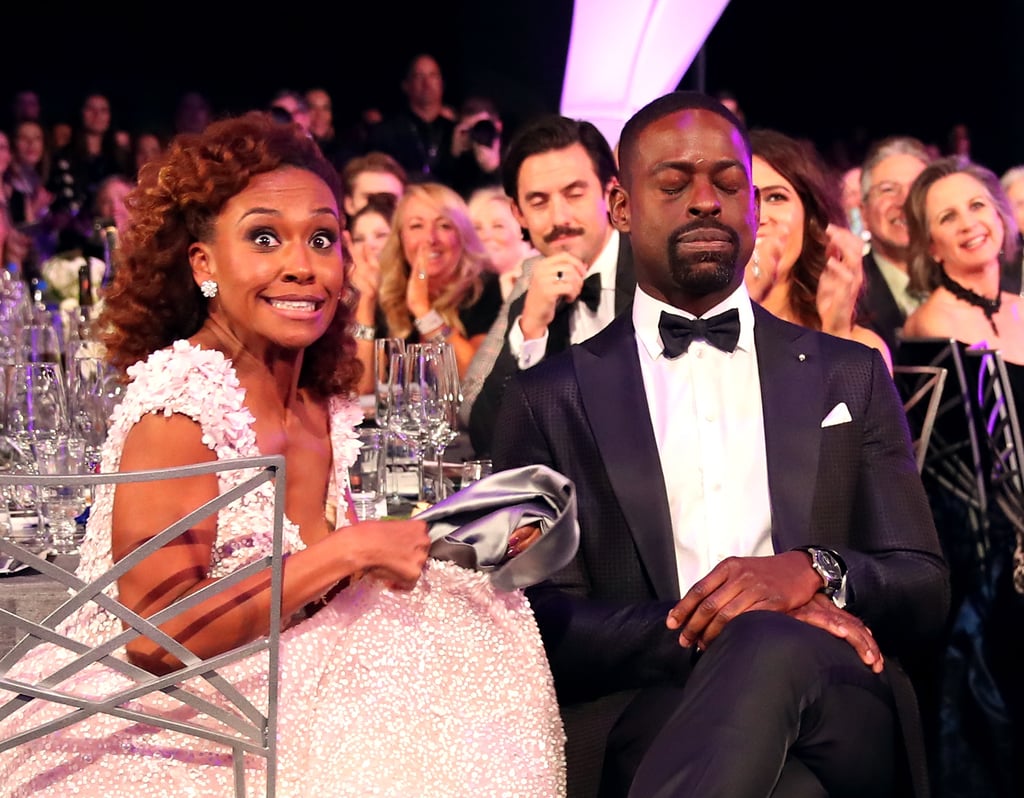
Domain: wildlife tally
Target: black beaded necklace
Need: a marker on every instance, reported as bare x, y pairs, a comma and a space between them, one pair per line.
988, 306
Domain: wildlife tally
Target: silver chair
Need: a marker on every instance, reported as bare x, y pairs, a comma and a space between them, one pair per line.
921, 389
241, 727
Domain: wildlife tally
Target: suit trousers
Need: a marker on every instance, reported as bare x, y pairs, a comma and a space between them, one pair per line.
774, 707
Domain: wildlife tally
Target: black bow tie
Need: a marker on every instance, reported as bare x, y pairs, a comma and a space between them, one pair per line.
721, 331
590, 294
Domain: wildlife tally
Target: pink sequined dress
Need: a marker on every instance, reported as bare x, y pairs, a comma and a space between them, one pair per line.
442, 691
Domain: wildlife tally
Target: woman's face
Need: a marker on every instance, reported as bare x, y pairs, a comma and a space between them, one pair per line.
499, 232
430, 240
28, 143
276, 257
964, 226
782, 214
372, 230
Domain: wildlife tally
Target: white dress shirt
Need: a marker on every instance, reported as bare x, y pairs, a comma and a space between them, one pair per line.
583, 322
708, 422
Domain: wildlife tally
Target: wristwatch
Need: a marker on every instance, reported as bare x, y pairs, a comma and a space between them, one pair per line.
832, 570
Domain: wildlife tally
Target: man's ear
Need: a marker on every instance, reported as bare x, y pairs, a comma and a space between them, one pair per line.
199, 260
757, 208
518, 214
618, 207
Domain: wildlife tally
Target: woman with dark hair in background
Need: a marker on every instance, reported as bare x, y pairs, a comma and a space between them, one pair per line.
807, 267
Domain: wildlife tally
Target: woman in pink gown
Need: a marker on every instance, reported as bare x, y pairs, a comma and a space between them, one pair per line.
230, 313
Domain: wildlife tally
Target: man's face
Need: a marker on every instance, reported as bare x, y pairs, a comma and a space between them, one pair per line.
689, 207
889, 182
423, 84
562, 203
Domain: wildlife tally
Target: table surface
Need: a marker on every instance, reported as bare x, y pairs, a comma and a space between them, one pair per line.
31, 595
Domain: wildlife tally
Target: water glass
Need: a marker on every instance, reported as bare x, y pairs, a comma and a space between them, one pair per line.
367, 474
60, 506
473, 470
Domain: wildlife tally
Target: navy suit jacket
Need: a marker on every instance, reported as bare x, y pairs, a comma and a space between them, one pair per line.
852, 487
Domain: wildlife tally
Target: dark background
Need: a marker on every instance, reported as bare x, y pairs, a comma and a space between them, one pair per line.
827, 71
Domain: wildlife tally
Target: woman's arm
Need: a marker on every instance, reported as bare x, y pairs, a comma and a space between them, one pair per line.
141, 510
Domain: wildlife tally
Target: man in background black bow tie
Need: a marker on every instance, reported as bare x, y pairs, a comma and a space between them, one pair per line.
558, 173
756, 550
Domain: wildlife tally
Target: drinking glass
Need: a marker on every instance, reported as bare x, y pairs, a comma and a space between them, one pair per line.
474, 470
366, 476
35, 411
383, 349
426, 405
93, 392
60, 505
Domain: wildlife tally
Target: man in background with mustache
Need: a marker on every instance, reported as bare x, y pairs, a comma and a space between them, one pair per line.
558, 173
757, 554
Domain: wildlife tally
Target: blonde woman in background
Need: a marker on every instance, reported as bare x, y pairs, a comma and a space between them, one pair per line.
502, 236
436, 278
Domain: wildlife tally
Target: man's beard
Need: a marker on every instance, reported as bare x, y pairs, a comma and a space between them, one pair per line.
690, 271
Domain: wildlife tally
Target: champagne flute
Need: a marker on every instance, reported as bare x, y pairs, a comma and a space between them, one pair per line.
430, 404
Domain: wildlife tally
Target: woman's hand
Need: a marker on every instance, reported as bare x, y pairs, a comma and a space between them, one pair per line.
365, 271
520, 540
840, 282
417, 290
392, 551
762, 269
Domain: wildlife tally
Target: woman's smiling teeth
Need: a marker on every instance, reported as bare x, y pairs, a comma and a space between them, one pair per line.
308, 305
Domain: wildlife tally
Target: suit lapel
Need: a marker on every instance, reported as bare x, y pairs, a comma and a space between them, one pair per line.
612, 391
792, 394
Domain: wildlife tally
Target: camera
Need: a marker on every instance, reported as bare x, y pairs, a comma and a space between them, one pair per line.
483, 133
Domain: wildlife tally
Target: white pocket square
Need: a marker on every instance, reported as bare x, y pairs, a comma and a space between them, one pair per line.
840, 414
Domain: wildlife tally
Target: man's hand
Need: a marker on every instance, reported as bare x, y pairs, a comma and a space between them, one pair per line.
781, 583
824, 614
554, 278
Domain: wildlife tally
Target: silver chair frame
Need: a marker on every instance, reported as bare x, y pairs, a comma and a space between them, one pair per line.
246, 728
921, 386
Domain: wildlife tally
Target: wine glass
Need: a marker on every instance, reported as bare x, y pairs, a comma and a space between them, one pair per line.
93, 392
427, 405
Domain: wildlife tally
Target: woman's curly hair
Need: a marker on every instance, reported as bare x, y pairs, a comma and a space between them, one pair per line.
798, 162
154, 299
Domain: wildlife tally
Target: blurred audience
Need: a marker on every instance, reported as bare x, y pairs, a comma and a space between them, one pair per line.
368, 232
476, 146
419, 136
889, 168
288, 105
26, 176
490, 210
146, 146
321, 126
373, 173
193, 112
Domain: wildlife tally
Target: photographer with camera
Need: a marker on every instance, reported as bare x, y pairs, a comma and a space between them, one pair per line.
476, 146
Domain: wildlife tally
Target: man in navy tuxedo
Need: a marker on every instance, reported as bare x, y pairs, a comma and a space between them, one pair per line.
756, 548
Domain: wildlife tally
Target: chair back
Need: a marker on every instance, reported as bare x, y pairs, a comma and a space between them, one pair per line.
921, 389
239, 725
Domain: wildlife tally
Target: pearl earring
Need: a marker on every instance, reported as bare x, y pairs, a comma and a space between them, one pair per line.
208, 288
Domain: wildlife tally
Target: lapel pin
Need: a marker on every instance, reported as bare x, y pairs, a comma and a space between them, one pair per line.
801, 357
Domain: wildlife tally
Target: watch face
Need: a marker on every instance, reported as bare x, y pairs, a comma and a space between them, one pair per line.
828, 564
